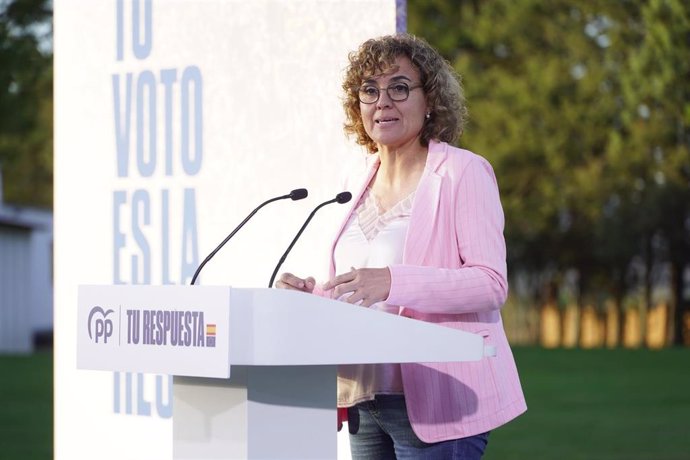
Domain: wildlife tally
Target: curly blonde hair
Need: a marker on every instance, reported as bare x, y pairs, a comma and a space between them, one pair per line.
442, 86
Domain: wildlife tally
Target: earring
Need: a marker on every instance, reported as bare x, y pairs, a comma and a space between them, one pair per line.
428, 115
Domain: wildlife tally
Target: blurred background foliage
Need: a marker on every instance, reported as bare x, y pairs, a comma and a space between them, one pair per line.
583, 108
26, 102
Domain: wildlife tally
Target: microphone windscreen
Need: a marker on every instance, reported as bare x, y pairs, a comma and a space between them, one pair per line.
343, 197
298, 194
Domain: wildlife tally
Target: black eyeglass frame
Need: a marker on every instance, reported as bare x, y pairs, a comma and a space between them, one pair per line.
387, 88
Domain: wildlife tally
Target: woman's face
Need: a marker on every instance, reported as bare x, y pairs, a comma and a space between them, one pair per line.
394, 123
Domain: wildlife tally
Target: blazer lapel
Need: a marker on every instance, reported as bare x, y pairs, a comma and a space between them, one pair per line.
372, 165
425, 207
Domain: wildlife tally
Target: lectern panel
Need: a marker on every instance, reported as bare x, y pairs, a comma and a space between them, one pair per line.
156, 329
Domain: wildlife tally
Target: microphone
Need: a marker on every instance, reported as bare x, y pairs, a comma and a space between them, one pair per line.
295, 195
340, 198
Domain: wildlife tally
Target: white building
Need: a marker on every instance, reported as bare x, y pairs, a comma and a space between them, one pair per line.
26, 277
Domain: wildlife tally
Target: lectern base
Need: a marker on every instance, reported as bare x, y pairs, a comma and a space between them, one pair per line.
261, 412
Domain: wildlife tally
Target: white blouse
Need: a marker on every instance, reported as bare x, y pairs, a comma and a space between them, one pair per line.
372, 238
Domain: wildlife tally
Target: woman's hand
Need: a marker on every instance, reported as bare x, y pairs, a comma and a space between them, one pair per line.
367, 285
290, 281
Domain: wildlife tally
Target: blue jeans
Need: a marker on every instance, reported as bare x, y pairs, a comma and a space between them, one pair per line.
380, 429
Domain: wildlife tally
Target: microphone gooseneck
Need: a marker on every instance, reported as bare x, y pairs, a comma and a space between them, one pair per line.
294, 195
340, 198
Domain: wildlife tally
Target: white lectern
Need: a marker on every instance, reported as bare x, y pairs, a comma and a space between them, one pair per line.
254, 369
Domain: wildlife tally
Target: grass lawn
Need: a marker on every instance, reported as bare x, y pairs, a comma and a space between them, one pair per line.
599, 404
594, 405
26, 406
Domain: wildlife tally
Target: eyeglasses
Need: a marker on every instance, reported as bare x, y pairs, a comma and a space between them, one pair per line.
398, 92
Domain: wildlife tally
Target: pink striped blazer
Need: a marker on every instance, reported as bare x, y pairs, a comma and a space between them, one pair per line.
454, 274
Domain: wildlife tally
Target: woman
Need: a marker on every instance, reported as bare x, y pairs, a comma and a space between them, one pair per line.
424, 240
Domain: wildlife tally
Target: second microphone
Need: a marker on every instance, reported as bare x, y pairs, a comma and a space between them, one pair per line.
340, 198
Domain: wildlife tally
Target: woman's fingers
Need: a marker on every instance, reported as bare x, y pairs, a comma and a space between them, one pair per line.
340, 279
290, 281
367, 285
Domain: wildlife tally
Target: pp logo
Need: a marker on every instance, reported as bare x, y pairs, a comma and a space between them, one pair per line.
100, 327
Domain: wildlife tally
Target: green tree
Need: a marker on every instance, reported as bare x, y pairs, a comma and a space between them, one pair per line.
582, 108
26, 114
538, 111
653, 146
